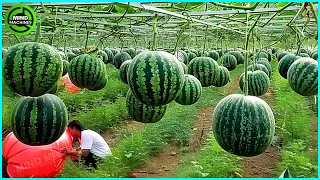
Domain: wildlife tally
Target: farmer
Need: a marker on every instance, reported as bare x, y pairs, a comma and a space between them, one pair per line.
93, 147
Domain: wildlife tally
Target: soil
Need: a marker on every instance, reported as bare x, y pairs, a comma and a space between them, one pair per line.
163, 164
113, 135
261, 165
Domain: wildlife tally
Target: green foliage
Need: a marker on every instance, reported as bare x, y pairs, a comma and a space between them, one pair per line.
293, 125
212, 161
104, 116
296, 159
135, 149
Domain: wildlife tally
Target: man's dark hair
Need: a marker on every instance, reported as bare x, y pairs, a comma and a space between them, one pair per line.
76, 124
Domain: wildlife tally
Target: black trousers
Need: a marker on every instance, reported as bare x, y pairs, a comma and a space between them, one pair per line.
91, 160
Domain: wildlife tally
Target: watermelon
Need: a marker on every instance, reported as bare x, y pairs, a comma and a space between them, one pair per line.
243, 125
205, 69
214, 55
229, 61
39, 120
32, 69
100, 85
66, 67
281, 54
155, 77
103, 56
285, 63
54, 89
223, 77
190, 57
114, 52
185, 68
266, 64
315, 56
109, 54
259, 67
182, 56
143, 113
258, 83
305, 50
119, 58
70, 56
87, 71
63, 56
304, 55
190, 92
4, 51
303, 76
124, 70
274, 50
130, 51
239, 57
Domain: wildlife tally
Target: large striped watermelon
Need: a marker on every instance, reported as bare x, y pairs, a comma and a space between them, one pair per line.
191, 56
119, 58
205, 69
130, 51
223, 77
110, 55
304, 55
124, 70
259, 67
143, 113
54, 90
266, 64
315, 55
4, 51
214, 55
281, 54
303, 76
66, 67
155, 77
258, 83
243, 125
32, 69
39, 120
87, 71
285, 63
190, 92
103, 56
114, 52
239, 57
229, 61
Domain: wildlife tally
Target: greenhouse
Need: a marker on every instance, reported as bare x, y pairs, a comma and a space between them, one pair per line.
160, 89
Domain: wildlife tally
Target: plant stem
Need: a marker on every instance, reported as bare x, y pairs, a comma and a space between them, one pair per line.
154, 32
38, 31
205, 40
246, 57
314, 12
237, 7
179, 37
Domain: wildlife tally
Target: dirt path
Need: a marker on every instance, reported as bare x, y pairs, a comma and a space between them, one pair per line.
163, 164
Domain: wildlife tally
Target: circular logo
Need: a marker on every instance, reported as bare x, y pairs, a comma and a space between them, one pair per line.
20, 20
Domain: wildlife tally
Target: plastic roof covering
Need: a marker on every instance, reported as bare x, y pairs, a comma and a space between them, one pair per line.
135, 19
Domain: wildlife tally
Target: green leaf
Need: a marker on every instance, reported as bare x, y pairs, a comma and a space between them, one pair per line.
285, 174
281, 4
